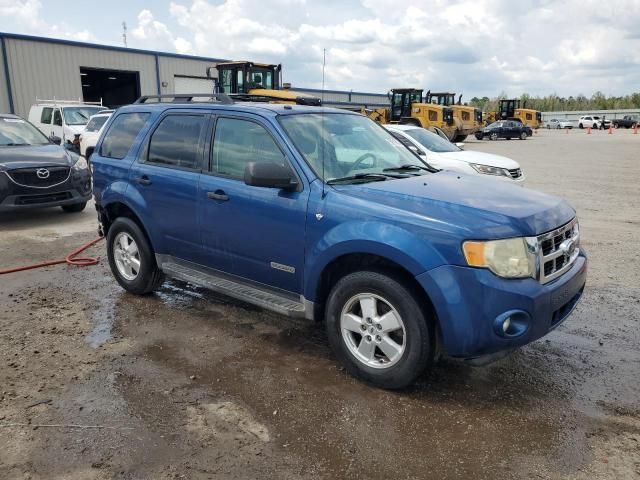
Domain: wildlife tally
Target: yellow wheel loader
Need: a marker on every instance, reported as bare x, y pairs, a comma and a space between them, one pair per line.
510, 110
407, 108
257, 82
467, 120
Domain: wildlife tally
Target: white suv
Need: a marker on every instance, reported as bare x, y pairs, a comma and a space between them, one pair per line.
91, 133
592, 121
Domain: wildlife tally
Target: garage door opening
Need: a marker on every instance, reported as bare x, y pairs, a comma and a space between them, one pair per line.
113, 87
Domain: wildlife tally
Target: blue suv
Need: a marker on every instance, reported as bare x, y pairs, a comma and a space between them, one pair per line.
320, 213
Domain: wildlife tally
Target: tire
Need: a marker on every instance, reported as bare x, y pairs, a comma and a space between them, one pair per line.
580, 126
595, 126
479, 137
523, 135
493, 136
144, 277
74, 208
558, 127
549, 127
410, 346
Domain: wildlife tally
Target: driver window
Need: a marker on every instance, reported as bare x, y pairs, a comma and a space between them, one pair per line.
238, 142
57, 117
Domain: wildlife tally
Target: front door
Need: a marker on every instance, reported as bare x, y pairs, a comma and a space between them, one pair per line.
166, 175
253, 232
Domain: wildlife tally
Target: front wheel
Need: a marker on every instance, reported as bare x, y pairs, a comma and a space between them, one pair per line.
378, 330
479, 136
523, 135
131, 258
580, 126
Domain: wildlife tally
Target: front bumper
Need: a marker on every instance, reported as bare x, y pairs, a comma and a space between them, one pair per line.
469, 301
76, 189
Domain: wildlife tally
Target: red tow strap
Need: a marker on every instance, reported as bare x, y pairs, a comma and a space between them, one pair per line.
70, 259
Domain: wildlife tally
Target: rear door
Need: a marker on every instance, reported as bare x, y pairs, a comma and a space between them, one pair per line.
253, 232
166, 175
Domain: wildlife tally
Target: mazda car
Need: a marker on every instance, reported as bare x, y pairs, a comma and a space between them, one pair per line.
36, 171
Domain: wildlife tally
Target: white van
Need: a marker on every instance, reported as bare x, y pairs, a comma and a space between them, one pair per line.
62, 119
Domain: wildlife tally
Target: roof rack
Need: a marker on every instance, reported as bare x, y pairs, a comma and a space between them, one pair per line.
186, 98
55, 101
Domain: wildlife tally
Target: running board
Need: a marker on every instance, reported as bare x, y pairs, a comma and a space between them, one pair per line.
257, 294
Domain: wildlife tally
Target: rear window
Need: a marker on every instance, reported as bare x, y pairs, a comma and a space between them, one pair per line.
122, 134
46, 115
176, 141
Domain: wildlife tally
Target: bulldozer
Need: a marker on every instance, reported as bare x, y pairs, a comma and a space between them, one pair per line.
408, 108
257, 82
510, 110
468, 120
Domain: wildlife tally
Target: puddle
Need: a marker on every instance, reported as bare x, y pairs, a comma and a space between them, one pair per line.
103, 318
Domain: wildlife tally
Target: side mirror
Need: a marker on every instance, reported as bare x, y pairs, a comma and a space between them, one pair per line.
55, 139
460, 145
269, 175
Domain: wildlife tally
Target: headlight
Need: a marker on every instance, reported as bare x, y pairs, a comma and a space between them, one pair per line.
506, 258
489, 170
81, 164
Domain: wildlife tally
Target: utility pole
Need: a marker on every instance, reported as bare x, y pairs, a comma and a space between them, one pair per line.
124, 33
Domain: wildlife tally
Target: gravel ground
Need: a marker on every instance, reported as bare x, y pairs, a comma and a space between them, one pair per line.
98, 384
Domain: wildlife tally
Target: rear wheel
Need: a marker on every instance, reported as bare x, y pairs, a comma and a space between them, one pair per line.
523, 135
580, 125
131, 258
377, 329
493, 136
558, 127
75, 208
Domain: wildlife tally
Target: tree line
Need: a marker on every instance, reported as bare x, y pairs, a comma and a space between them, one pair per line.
550, 103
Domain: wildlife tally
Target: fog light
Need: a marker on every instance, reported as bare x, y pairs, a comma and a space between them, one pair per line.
506, 324
511, 324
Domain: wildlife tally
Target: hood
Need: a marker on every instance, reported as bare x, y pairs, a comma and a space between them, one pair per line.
464, 202
481, 158
33, 156
75, 128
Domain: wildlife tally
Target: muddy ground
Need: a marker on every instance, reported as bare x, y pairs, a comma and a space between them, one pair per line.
98, 384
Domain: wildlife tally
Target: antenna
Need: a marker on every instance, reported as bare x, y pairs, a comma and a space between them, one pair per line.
324, 63
124, 33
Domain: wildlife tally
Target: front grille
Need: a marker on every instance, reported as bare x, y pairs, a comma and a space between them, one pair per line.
558, 250
28, 177
40, 199
515, 173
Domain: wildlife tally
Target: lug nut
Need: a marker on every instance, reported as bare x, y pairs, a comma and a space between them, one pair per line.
368, 338
368, 320
378, 326
378, 338
363, 327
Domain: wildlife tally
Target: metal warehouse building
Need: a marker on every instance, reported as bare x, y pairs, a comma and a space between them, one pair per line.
45, 68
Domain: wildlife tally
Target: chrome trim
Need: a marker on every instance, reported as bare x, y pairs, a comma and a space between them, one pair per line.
570, 257
41, 188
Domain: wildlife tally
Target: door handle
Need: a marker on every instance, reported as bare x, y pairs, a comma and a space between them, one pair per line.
143, 180
218, 195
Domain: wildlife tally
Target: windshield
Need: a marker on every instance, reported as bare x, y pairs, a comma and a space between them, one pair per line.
79, 115
431, 141
96, 123
16, 131
349, 144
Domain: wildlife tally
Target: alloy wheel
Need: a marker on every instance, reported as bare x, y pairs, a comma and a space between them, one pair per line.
126, 256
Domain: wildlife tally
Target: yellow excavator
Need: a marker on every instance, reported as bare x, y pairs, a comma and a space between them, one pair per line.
468, 120
257, 82
408, 108
510, 110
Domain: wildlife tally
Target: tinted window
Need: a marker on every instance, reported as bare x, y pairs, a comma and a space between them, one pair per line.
46, 115
431, 141
122, 134
238, 142
79, 115
57, 118
176, 141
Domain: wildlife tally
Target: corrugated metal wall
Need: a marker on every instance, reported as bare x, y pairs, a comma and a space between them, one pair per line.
171, 66
44, 70
4, 94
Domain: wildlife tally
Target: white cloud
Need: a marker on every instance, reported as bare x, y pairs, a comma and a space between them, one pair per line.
151, 33
24, 16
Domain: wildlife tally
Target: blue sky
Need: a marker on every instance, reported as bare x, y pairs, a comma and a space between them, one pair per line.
477, 47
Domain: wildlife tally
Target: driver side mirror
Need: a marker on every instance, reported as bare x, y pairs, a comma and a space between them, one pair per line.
55, 139
270, 175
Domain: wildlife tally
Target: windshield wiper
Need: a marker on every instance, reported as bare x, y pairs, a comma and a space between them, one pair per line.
15, 144
374, 177
409, 167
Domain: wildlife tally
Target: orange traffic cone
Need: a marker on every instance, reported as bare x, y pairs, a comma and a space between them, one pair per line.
610, 131
588, 130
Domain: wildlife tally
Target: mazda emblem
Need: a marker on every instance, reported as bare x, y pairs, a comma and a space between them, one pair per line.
42, 173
